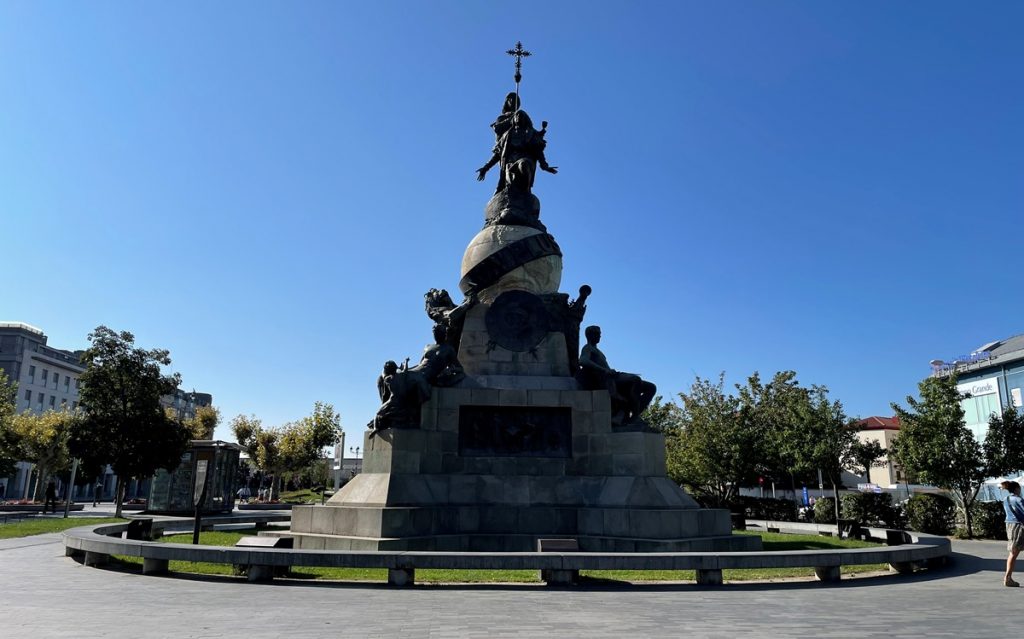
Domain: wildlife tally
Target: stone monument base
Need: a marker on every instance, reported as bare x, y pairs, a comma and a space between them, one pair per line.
495, 470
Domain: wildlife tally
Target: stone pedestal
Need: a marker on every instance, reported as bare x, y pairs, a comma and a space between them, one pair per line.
494, 470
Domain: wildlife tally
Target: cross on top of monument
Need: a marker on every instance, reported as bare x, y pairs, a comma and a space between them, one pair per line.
519, 53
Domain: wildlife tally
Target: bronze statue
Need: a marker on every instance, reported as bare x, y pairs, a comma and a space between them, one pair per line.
440, 362
575, 311
403, 390
519, 149
504, 120
630, 394
444, 312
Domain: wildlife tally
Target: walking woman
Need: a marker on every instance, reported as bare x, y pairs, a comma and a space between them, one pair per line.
1014, 507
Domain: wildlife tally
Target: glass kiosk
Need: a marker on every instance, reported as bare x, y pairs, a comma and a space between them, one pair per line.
171, 492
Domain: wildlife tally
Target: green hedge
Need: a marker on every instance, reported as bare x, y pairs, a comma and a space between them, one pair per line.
871, 509
825, 510
988, 520
767, 508
931, 514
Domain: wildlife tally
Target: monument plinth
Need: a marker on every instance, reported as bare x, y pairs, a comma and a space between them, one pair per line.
506, 432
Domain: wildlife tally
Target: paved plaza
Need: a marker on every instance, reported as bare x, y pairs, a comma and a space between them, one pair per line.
49, 595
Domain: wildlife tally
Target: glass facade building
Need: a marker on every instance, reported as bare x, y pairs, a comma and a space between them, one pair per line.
993, 377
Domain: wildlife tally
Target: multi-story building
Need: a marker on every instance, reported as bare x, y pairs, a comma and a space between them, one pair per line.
882, 430
48, 379
993, 375
184, 403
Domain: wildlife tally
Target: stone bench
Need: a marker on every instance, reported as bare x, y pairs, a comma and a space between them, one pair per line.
96, 543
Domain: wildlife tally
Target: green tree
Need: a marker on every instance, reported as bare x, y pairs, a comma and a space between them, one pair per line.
713, 451
292, 448
204, 423
262, 444
43, 442
663, 417
821, 438
935, 444
9, 454
866, 455
1004, 442
772, 410
725, 441
303, 442
666, 417
123, 423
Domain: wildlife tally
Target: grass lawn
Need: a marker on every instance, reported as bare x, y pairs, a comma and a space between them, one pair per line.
304, 496
772, 542
41, 525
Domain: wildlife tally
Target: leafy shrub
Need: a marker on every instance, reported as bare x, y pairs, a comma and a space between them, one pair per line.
870, 509
988, 520
931, 514
825, 510
767, 508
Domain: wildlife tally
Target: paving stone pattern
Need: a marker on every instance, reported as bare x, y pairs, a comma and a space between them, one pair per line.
46, 594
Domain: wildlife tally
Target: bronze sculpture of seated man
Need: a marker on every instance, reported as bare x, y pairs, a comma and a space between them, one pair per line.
630, 394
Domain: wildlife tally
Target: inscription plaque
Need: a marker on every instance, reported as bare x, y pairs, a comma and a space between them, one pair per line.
515, 431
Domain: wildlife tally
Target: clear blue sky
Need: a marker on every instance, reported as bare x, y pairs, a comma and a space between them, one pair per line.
267, 189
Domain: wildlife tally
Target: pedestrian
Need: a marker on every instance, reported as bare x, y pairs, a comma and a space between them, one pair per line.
51, 497
1014, 507
97, 492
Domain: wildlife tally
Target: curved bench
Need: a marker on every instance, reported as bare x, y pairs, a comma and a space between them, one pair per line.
97, 543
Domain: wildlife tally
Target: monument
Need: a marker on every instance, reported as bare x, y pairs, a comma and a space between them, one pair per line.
505, 432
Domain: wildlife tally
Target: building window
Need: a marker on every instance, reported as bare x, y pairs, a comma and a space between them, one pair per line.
28, 396
31, 374
977, 410
53, 401
78, 383
56, 379
40, 401
67, 383
45, 378
63, 404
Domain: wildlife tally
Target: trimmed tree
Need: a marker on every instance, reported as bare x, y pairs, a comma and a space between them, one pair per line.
293, 447
9, 455
303, 443
123, 423
43, 441
262, 445
204, 423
